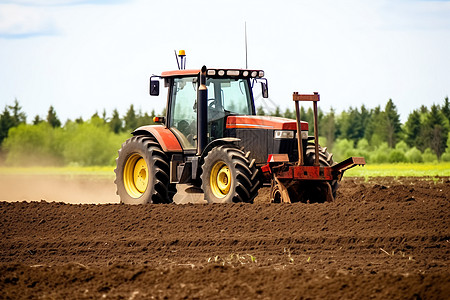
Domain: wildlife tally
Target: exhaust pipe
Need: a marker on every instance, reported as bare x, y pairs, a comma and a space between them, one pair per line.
202, 113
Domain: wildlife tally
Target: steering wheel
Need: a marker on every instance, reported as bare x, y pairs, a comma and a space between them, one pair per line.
212, 103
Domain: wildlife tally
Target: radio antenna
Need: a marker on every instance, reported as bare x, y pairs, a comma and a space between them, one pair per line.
246, 61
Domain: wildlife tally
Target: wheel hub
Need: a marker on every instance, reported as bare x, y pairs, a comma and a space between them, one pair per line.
135, 176
220, 180
140, 175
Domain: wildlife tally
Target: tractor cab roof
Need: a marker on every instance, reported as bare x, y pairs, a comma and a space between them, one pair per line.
235, 73
177, 73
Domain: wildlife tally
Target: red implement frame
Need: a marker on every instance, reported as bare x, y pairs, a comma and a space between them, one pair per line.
314, 98
285, 170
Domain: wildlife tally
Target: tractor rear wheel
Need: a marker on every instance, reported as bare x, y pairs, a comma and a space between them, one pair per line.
142, 172
229, 176
319, 191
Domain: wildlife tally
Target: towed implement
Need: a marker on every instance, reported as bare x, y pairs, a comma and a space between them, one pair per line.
212, 139
314, 177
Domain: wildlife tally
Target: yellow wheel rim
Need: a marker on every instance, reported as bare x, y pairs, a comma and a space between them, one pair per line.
135, 176
220, 180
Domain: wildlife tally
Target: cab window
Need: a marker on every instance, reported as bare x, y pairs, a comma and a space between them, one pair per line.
183, 117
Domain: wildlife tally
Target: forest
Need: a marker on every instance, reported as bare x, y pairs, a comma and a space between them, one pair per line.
377, 134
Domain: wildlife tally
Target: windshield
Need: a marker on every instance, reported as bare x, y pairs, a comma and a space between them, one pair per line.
230, 95
225, 96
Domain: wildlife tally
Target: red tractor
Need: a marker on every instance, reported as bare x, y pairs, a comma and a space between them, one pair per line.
212, 139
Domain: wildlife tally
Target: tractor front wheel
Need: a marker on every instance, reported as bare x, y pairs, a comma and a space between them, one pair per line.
229, 176
142, 172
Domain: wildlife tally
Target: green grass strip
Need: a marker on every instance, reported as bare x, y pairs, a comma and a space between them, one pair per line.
400, 170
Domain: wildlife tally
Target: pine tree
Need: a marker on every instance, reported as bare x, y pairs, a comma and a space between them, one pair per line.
277, 112
52, 118
320, 116
328, 128
370, 127
351, 125
423, 109
413, 129
365, 119
12, 116
392, 123
144, 119
446, 109
260, 111
115, 123
309, 117
18, 116
37, 120
288, 114
104, 115
152, 115
130, 119
6, 122
436, 131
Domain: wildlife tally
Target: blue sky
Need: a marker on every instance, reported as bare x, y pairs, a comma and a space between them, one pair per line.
84, 56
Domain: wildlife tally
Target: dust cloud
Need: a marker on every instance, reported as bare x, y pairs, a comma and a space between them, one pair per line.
58, 188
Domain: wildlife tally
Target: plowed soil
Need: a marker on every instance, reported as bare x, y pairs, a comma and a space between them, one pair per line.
384, 238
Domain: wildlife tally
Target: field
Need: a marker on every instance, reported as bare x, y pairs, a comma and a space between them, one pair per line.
383, 238
404, 170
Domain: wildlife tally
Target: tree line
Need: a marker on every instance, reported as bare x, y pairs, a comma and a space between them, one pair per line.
377, 134
46, 141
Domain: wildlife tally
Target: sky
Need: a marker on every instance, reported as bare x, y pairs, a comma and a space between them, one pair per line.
87, 56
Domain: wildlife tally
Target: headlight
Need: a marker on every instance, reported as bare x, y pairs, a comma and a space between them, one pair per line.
284, 134
304, 135
233, 72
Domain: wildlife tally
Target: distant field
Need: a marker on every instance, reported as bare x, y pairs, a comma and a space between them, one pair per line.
370, 170
397, 170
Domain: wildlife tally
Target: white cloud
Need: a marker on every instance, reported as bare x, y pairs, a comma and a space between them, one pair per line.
18, 21
30, 18
417, 15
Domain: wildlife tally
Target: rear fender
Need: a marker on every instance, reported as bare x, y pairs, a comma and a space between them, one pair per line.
163, 135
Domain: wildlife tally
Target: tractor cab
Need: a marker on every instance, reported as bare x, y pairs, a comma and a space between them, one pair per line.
229, 93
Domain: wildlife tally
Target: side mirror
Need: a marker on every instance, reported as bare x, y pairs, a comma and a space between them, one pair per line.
154, 87
265, 90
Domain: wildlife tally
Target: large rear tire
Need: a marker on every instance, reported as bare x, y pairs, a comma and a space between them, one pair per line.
142, 172
228, 176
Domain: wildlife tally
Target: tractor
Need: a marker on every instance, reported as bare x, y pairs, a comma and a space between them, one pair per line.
212, 139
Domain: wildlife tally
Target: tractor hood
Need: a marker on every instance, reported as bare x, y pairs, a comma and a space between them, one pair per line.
264, 122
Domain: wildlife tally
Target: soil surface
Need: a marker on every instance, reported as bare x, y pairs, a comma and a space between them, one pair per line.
383, 238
